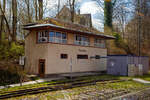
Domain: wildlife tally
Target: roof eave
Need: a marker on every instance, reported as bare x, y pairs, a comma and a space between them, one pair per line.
89, 33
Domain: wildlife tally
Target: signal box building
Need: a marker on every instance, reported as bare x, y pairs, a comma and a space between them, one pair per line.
56, 47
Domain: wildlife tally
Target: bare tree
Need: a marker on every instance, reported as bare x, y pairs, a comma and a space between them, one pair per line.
40, 9
2, 19
28, 10
36, 9
72, 8
14, 22
6, 21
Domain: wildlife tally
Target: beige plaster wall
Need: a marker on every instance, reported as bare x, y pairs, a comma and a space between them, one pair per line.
54, 64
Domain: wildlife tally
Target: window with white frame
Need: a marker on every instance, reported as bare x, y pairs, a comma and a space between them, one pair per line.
52, 36
57, 37
82, 40
42, 37
99, 43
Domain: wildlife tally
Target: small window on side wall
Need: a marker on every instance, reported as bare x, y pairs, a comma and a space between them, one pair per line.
63, 56
82, 56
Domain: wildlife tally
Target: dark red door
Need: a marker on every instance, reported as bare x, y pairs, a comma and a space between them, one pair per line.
42, 67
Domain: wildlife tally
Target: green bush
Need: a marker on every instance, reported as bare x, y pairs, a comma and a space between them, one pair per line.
10, 71
16, 51
7, 77
10, 51
121, 43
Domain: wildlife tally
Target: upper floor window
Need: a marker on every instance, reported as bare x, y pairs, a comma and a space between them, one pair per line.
99, 43
82, 40
57, 37
42, 36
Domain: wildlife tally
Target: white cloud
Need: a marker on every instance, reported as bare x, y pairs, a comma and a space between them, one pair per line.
89, 7
92, 8
98, 24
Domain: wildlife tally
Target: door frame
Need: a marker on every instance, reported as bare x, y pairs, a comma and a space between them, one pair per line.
40, 74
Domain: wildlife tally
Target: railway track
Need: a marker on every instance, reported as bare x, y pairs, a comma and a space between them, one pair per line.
54, 87
102, 95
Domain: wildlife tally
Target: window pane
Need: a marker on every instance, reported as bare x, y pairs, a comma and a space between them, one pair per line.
64, 56
51, 34
58, 34
78, 38
64, 36
81, 40
82, 56
42, 36
51, 39
64, 41
57, 40
100, 43
39, 36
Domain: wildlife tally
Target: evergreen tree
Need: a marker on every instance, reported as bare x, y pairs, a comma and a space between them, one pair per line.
108, 10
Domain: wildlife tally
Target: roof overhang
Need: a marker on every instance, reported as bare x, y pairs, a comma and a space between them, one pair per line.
60, 28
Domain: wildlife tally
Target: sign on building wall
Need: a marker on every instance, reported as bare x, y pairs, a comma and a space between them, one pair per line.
22, 60
82, 50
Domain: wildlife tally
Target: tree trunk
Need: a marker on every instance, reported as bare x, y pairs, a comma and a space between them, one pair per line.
14, 22
40, 9
28, 10
2, 20
108, 14
58, 8
36, 9
72, 9
7, 24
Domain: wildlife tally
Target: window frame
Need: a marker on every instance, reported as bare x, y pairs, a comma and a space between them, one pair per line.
82, 56
101, 43
63, 56
60, 41
81, 42
39, 36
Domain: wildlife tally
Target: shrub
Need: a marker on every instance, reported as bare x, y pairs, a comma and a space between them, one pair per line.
12, 75
7, 77
16, 51
121, 43
10, 51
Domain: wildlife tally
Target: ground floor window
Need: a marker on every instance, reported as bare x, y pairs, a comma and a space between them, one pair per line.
97, 56
82, 56
63, 56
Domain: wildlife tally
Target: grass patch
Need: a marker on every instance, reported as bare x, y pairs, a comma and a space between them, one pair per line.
144, 77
